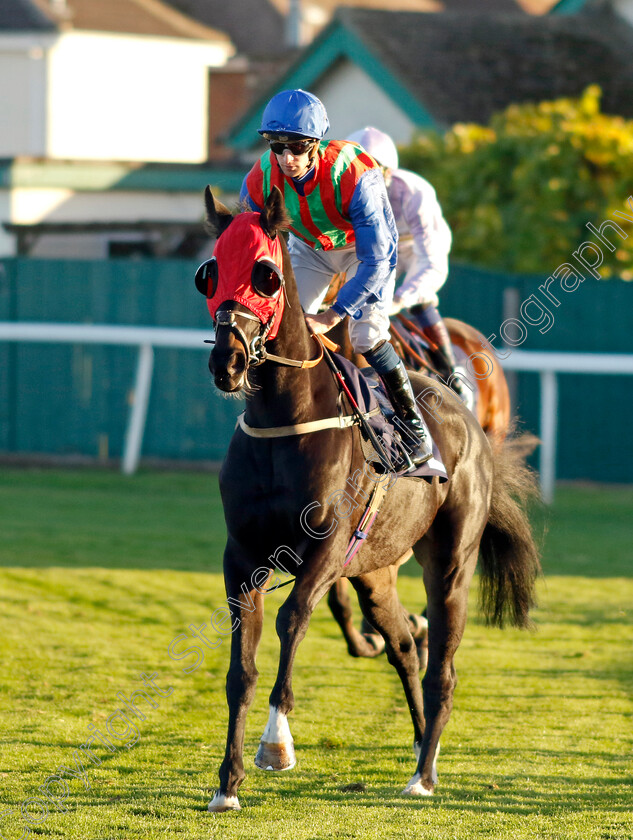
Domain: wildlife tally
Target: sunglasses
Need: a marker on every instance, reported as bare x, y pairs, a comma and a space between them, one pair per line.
296, 148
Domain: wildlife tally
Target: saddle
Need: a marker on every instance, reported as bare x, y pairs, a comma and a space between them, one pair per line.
369, 394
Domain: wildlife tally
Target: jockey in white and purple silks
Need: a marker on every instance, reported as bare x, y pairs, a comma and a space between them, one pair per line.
423, 247
342, 222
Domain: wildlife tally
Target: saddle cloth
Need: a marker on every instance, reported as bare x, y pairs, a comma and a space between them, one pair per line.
368, 392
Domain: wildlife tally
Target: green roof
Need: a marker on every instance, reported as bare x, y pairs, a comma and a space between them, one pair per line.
97, 177
567, 7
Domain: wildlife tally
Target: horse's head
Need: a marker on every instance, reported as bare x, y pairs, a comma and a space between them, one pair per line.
244, 286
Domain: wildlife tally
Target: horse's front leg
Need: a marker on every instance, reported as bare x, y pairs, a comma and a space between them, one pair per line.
276, 748
242, 675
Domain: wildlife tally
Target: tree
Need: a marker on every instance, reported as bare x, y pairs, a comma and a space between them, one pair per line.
519, 192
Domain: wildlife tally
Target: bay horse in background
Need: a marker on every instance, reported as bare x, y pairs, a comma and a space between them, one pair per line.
492, 399
278, 466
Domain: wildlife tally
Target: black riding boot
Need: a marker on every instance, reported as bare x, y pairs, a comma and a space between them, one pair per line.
401, 394
443, 358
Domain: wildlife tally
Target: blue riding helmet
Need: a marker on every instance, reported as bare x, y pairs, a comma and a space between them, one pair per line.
295, 114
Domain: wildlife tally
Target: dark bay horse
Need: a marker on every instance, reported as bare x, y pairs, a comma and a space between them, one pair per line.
278, 468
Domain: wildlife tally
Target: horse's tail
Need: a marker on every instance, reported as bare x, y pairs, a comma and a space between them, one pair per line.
509, 556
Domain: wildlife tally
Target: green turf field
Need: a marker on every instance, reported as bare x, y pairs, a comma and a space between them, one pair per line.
98, 573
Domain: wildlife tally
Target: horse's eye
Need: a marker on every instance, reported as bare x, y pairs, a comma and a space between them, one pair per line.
207, 278
266, 280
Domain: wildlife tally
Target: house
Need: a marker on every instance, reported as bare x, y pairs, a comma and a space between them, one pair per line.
122, 80
266, 28
105, 122
269, 34
403, 71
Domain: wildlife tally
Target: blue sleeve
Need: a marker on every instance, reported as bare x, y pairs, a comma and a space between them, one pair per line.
245, 197
376, 243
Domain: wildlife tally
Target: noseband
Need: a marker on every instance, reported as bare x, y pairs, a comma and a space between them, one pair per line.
255, 350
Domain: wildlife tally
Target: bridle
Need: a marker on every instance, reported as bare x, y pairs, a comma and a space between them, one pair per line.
255, 349
257, 354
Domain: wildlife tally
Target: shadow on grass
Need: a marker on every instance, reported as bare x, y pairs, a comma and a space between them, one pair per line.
362, 783
541, 794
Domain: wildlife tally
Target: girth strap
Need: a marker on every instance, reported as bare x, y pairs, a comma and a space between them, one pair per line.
302, 428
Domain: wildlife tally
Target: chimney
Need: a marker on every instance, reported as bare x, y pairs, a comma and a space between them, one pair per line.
293, 25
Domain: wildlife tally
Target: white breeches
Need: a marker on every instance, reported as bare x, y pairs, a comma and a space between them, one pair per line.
314, 271
422, 278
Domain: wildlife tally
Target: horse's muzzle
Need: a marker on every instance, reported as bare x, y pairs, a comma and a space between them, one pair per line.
228, 369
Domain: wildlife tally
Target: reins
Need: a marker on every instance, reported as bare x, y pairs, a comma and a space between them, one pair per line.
258, 355
305, 363
380, 450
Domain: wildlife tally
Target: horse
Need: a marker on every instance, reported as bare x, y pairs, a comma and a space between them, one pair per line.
280, 483
492, 408
492, 398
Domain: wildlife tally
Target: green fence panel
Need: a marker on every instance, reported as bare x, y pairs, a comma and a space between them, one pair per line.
597, 317
7, 355
593, 424
74, 399
474, 296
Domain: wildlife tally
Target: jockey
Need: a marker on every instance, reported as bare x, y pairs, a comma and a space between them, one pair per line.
342, 222
423, 246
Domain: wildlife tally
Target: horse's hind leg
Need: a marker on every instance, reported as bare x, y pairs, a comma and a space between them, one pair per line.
380, 604
418, 627
367, 643
447, 575
241, 678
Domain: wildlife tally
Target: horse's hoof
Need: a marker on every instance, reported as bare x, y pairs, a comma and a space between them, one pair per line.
376, 641
276, 748
416, 788
275, 756
221, 802
418, 625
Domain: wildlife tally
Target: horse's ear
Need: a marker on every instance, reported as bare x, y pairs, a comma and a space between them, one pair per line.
274, 216
219, 217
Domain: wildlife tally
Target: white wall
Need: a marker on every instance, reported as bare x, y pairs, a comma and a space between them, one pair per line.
23, 96
118, 97
353, 100
7, 241
624, 8
24, 205
63, 205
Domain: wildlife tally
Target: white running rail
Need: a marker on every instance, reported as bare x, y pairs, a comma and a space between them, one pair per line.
547, 364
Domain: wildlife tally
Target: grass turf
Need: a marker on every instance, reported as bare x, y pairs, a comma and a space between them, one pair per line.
100, 572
